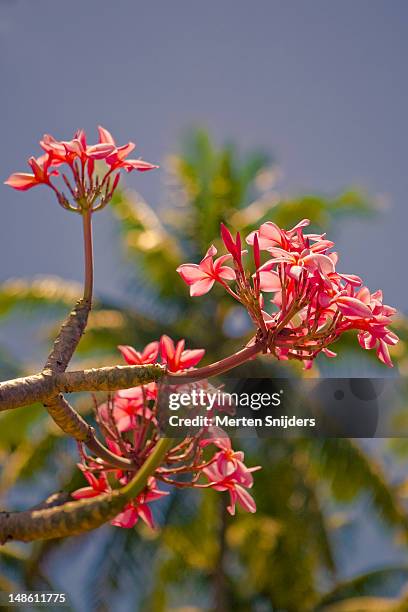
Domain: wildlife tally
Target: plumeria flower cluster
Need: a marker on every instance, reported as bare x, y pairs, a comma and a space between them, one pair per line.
312, 303
90, 186
129, 423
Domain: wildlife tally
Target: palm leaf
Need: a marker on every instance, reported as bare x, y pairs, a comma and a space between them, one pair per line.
350, 472
380, 582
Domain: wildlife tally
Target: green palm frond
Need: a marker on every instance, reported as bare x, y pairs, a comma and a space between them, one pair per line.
146, 239
379, 581
350, 472
45, 291
364, 604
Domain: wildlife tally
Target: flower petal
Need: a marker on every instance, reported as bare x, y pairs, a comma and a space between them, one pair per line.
191, 273
190, 358
127, 518
105, 136
244, 499
201, 287
270, 281
21, 181
351, 307
130, 355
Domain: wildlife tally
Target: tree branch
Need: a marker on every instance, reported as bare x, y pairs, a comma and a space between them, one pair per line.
26, 390
68, 338
45, 385
110, 378
71, 423
75, 517
71, 518
67, 418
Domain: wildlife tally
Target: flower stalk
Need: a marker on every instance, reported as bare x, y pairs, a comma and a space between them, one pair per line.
88, 255
221, 366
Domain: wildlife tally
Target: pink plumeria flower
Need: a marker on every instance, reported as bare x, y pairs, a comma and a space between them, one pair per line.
117, 157
297, 262
229, 462
87, 189
129, 404
125, 413
139, 508
201, 277
147, 356
176, 358
269, 235
129, 413
98, 485
374, 331
41, 174
227, 471
67, 151
237, 491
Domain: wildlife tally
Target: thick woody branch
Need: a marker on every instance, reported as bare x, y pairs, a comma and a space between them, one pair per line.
55, 499
110, 378
71, 518
67, 418
47, 388
26, 390
44, 386
68, 338
71, 423
75, 517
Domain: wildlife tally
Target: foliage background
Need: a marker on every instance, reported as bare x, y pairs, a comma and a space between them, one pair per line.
323, 89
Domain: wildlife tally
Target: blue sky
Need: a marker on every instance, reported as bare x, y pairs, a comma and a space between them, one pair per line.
322, 85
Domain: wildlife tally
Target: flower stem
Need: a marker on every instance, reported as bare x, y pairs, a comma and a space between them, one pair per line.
138, 483
88, 252
228, 363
